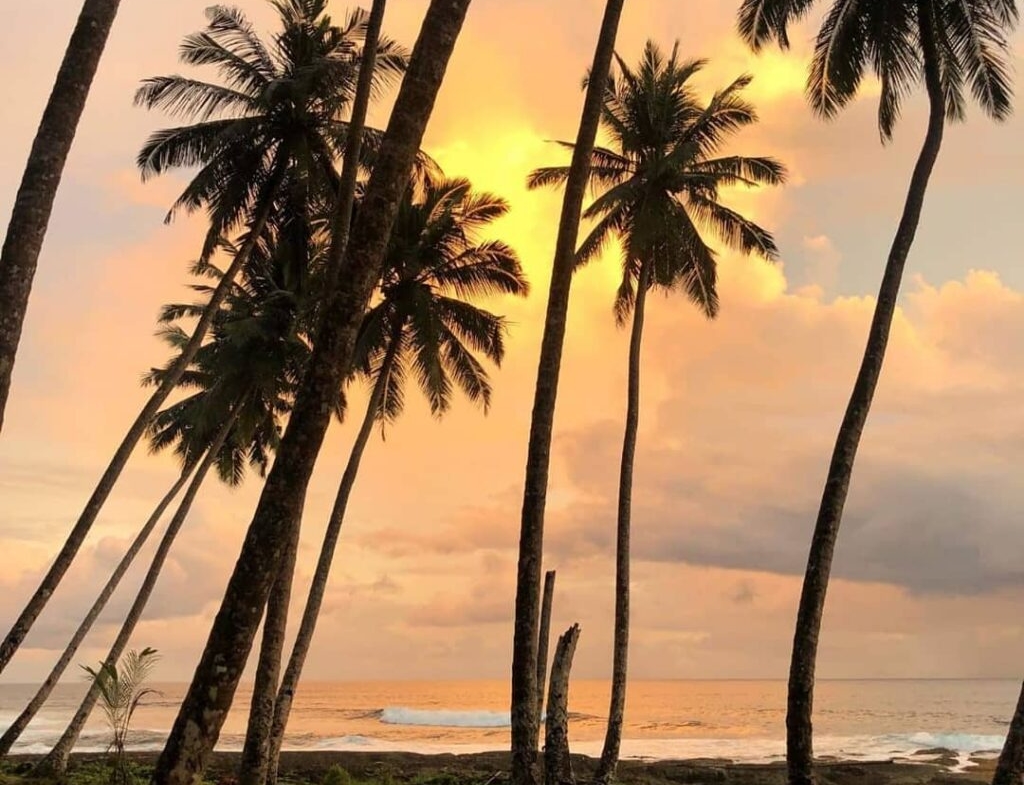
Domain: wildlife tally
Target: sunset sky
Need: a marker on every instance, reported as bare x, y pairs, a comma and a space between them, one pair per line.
738, 415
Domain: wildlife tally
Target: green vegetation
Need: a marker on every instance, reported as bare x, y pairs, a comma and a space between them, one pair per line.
122, 688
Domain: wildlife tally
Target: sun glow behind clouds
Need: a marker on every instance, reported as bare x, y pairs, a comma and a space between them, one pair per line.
738, 414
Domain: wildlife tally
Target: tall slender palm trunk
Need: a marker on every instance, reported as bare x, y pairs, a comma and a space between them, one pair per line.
41, 179
259, 755
617, 708
531, 533
256, 748
307, 627
137, 430
57, 759
1010, 767
209, 698
16, 728
342, 224
799, 742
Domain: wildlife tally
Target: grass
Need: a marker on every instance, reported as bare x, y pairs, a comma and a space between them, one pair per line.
96, 770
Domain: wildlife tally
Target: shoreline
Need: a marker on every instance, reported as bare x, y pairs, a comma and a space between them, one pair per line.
398, 768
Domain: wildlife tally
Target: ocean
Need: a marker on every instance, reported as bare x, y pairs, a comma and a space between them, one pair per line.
740, 720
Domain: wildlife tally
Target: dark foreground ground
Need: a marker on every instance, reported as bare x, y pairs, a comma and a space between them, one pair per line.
398, 768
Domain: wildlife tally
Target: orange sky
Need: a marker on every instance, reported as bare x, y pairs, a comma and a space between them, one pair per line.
738, 415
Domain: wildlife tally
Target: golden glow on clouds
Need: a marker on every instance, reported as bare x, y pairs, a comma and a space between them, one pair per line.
738, 414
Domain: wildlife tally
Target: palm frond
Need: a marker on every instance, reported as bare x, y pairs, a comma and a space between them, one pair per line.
761, 21
732, 228
977, 32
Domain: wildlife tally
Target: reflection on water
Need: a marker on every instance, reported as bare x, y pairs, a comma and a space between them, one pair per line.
664, 718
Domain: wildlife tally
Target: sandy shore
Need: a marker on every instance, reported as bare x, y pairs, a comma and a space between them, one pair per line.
492, 768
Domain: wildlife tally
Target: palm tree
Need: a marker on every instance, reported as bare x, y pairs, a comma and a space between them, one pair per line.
39, 183
422, 325
1011, 759
538, 458
243, 381
256, 757
277, 514
949, 45
257, 320
660, 197
278, 110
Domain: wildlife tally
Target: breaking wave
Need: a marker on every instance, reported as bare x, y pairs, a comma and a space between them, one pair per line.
444, 718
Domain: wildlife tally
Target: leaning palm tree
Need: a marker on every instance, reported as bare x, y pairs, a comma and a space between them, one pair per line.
949, 45
660, 187
526, 635
243, 380
39, 183
277, 515
261, 323
253, 769
277, 113
422, 325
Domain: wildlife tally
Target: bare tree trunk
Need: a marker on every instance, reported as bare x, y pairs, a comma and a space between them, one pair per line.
113, 471
307, 627
557, 763
542, 646
209, 698
531, 534
56, 762
799, 732
41, 179
617, 708
1010, 768
16, 728
256, 749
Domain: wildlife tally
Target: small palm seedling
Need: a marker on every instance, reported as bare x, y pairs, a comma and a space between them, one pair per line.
121, 692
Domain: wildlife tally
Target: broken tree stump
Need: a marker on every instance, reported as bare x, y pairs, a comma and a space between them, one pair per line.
557, 764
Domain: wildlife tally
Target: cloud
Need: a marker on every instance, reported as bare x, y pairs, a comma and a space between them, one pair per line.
738, 415
731, 461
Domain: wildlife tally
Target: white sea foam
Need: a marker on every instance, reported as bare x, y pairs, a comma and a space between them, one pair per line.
747, 750
447, 718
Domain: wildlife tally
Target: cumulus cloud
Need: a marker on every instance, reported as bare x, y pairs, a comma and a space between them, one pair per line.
738, 415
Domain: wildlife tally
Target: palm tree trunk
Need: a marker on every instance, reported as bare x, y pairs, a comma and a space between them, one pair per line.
56, 762
41, 179
210, 695
1010, 766
531, 533
307, 627
12, 734
342, 223
256, 749
113, 471
616, 711
542, 644
262, 742
799, 744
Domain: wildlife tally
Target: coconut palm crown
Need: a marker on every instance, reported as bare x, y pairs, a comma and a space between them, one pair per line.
886, 38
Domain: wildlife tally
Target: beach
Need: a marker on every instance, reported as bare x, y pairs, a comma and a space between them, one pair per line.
932, 767
412, 725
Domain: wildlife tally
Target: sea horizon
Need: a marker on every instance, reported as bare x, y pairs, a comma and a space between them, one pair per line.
737, 719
